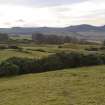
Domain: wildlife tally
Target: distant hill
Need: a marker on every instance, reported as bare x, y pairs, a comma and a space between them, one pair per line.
85, 27
80, 31
30, 30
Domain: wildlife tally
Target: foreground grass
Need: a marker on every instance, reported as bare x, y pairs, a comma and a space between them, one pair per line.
83, 86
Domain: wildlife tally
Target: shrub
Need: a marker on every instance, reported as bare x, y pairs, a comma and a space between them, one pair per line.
4, 37
16, 66
91, 59
102, 48
8, 69
13, 47
40, 50
92, 49
24, 64
3, 47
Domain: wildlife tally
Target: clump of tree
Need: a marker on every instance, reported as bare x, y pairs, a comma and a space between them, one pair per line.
52, 39
100, 47
4, 37
2, 47
58, 61
103, 43
93, 49
15, 47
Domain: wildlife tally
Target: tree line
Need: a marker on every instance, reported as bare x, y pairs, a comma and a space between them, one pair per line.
58, 61
52, 39
4, 37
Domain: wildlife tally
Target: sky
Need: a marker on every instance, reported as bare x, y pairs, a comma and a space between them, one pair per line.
51, 13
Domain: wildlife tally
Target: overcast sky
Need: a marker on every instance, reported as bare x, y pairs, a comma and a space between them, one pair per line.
52, 13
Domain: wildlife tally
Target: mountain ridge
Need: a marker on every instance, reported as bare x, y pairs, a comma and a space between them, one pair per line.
30, 30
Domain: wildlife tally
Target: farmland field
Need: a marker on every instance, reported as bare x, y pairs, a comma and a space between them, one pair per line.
42, 50
21, 37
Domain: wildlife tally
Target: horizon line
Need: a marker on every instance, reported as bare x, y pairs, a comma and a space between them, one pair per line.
53, 26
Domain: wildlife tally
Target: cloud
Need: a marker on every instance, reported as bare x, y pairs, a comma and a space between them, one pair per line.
39, 2
20, 21
76, 12
7, 23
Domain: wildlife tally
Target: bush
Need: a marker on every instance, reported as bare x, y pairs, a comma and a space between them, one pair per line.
40, 50
8, 69
91, 59
102, 48
13, 47
4, 37
92, 49
3, 47
60, 46
16, 66
24, 64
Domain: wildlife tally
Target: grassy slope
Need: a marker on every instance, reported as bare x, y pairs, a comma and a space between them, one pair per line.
82, 86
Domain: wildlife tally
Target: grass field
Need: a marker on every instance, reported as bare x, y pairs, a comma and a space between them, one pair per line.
38, 51
5, 54
81, 86
29, 37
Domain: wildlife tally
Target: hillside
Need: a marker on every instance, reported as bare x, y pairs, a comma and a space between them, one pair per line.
83, 31
82, 86
30, 30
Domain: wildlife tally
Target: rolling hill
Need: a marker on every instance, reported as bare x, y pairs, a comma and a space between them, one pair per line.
83, 31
